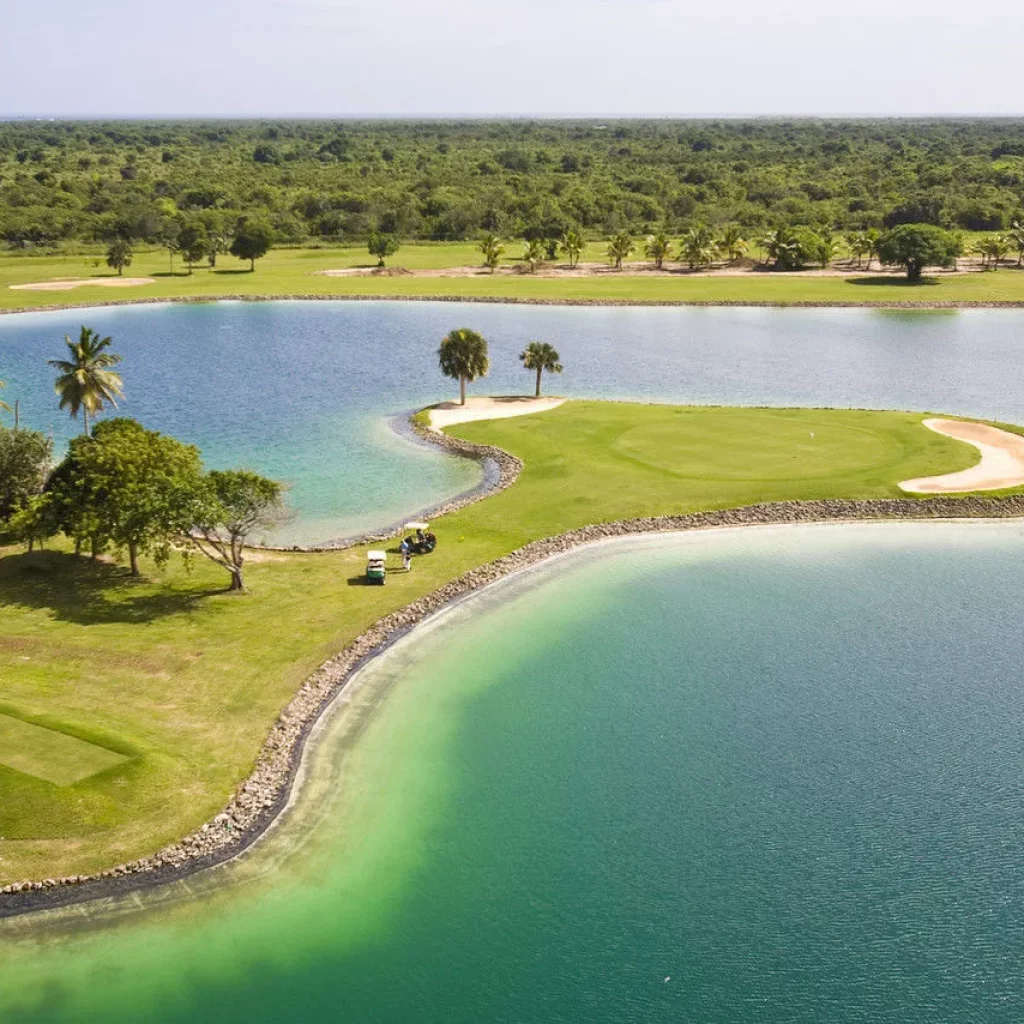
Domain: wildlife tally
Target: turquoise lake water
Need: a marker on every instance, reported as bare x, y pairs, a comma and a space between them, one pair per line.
764, 775
304, 391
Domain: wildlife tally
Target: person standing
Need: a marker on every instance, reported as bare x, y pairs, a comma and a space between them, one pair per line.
406, 555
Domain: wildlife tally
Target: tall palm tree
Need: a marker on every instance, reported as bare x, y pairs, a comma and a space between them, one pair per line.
543, 358
658, 248
462, 356
573, 244
620, 248
86, 382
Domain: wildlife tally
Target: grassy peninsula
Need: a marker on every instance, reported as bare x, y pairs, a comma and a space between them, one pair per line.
177, 682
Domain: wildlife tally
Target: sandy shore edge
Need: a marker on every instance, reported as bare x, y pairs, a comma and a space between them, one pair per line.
260, 798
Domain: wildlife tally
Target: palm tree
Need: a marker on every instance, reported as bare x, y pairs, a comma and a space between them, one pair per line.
3, 404
463, 356
573, 245
620, 248
859, 245
533, 253
658, 248
826, 249
697, 247
781, 247
732, 243
1015, 236
85, 381
992, 250
543, 358
491, 248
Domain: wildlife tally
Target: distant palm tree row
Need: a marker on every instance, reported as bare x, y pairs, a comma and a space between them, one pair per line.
699, 247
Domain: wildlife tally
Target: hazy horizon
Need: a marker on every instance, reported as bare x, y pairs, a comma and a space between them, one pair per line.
536, 59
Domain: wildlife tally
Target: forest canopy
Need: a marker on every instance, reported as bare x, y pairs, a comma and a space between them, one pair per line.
64, 183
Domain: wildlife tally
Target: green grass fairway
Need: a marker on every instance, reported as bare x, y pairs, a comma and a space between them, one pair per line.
291, 272
188, 678
49, 755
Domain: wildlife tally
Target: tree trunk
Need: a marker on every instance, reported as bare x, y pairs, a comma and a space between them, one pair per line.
120, 270
133, 558
252, 266
236, 579
78, 546
540, 370
95, 544
462, 391
914, 271
85, 421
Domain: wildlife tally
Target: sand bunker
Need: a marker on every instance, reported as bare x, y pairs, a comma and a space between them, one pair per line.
1001, 465
449, 413
67, 284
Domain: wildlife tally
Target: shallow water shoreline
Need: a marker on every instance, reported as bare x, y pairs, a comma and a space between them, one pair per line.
266, 793
516, 300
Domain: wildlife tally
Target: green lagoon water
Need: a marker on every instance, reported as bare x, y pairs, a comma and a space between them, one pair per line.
755, 775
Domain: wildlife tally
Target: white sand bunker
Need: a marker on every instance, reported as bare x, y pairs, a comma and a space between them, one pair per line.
1001, 465
67, 284
449, 413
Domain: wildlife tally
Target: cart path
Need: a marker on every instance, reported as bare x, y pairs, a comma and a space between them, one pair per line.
447, 414
1001, 465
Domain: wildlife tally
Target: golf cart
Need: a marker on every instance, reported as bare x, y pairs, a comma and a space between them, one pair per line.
422, 541
376, 569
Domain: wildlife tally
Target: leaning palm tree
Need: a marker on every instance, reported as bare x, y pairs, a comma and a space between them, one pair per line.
543, 358
3, 405
86, 382
620, 248
533, 253
462, 356
658, 248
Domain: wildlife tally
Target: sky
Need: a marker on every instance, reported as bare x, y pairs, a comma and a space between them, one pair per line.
87, 58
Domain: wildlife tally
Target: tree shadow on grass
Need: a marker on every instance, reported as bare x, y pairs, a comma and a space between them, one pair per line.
894, 282
77, 589
231, 270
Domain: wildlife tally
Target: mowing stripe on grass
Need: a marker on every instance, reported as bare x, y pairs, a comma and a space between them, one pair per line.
51, 756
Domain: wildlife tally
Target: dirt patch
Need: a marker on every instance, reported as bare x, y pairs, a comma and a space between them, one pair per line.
447, 414
67, 284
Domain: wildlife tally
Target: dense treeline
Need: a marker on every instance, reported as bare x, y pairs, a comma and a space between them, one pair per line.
343, 180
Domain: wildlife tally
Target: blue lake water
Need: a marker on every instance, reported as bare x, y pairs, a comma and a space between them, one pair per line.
304, 391
770, 775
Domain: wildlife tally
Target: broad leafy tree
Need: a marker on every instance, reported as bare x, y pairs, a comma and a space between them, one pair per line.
916, 246
620, 248
252, 242
382, 246
193, 244
541, 357
119, 255
237, 503
131, 487
86, 382
24, 462
462, 356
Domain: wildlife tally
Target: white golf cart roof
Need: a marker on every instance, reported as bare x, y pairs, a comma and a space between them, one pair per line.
376, 556
417, 526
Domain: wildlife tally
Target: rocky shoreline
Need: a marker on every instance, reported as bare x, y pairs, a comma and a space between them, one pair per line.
519, 300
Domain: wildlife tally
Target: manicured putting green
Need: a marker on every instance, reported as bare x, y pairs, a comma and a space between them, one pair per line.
799, 445
50, 755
